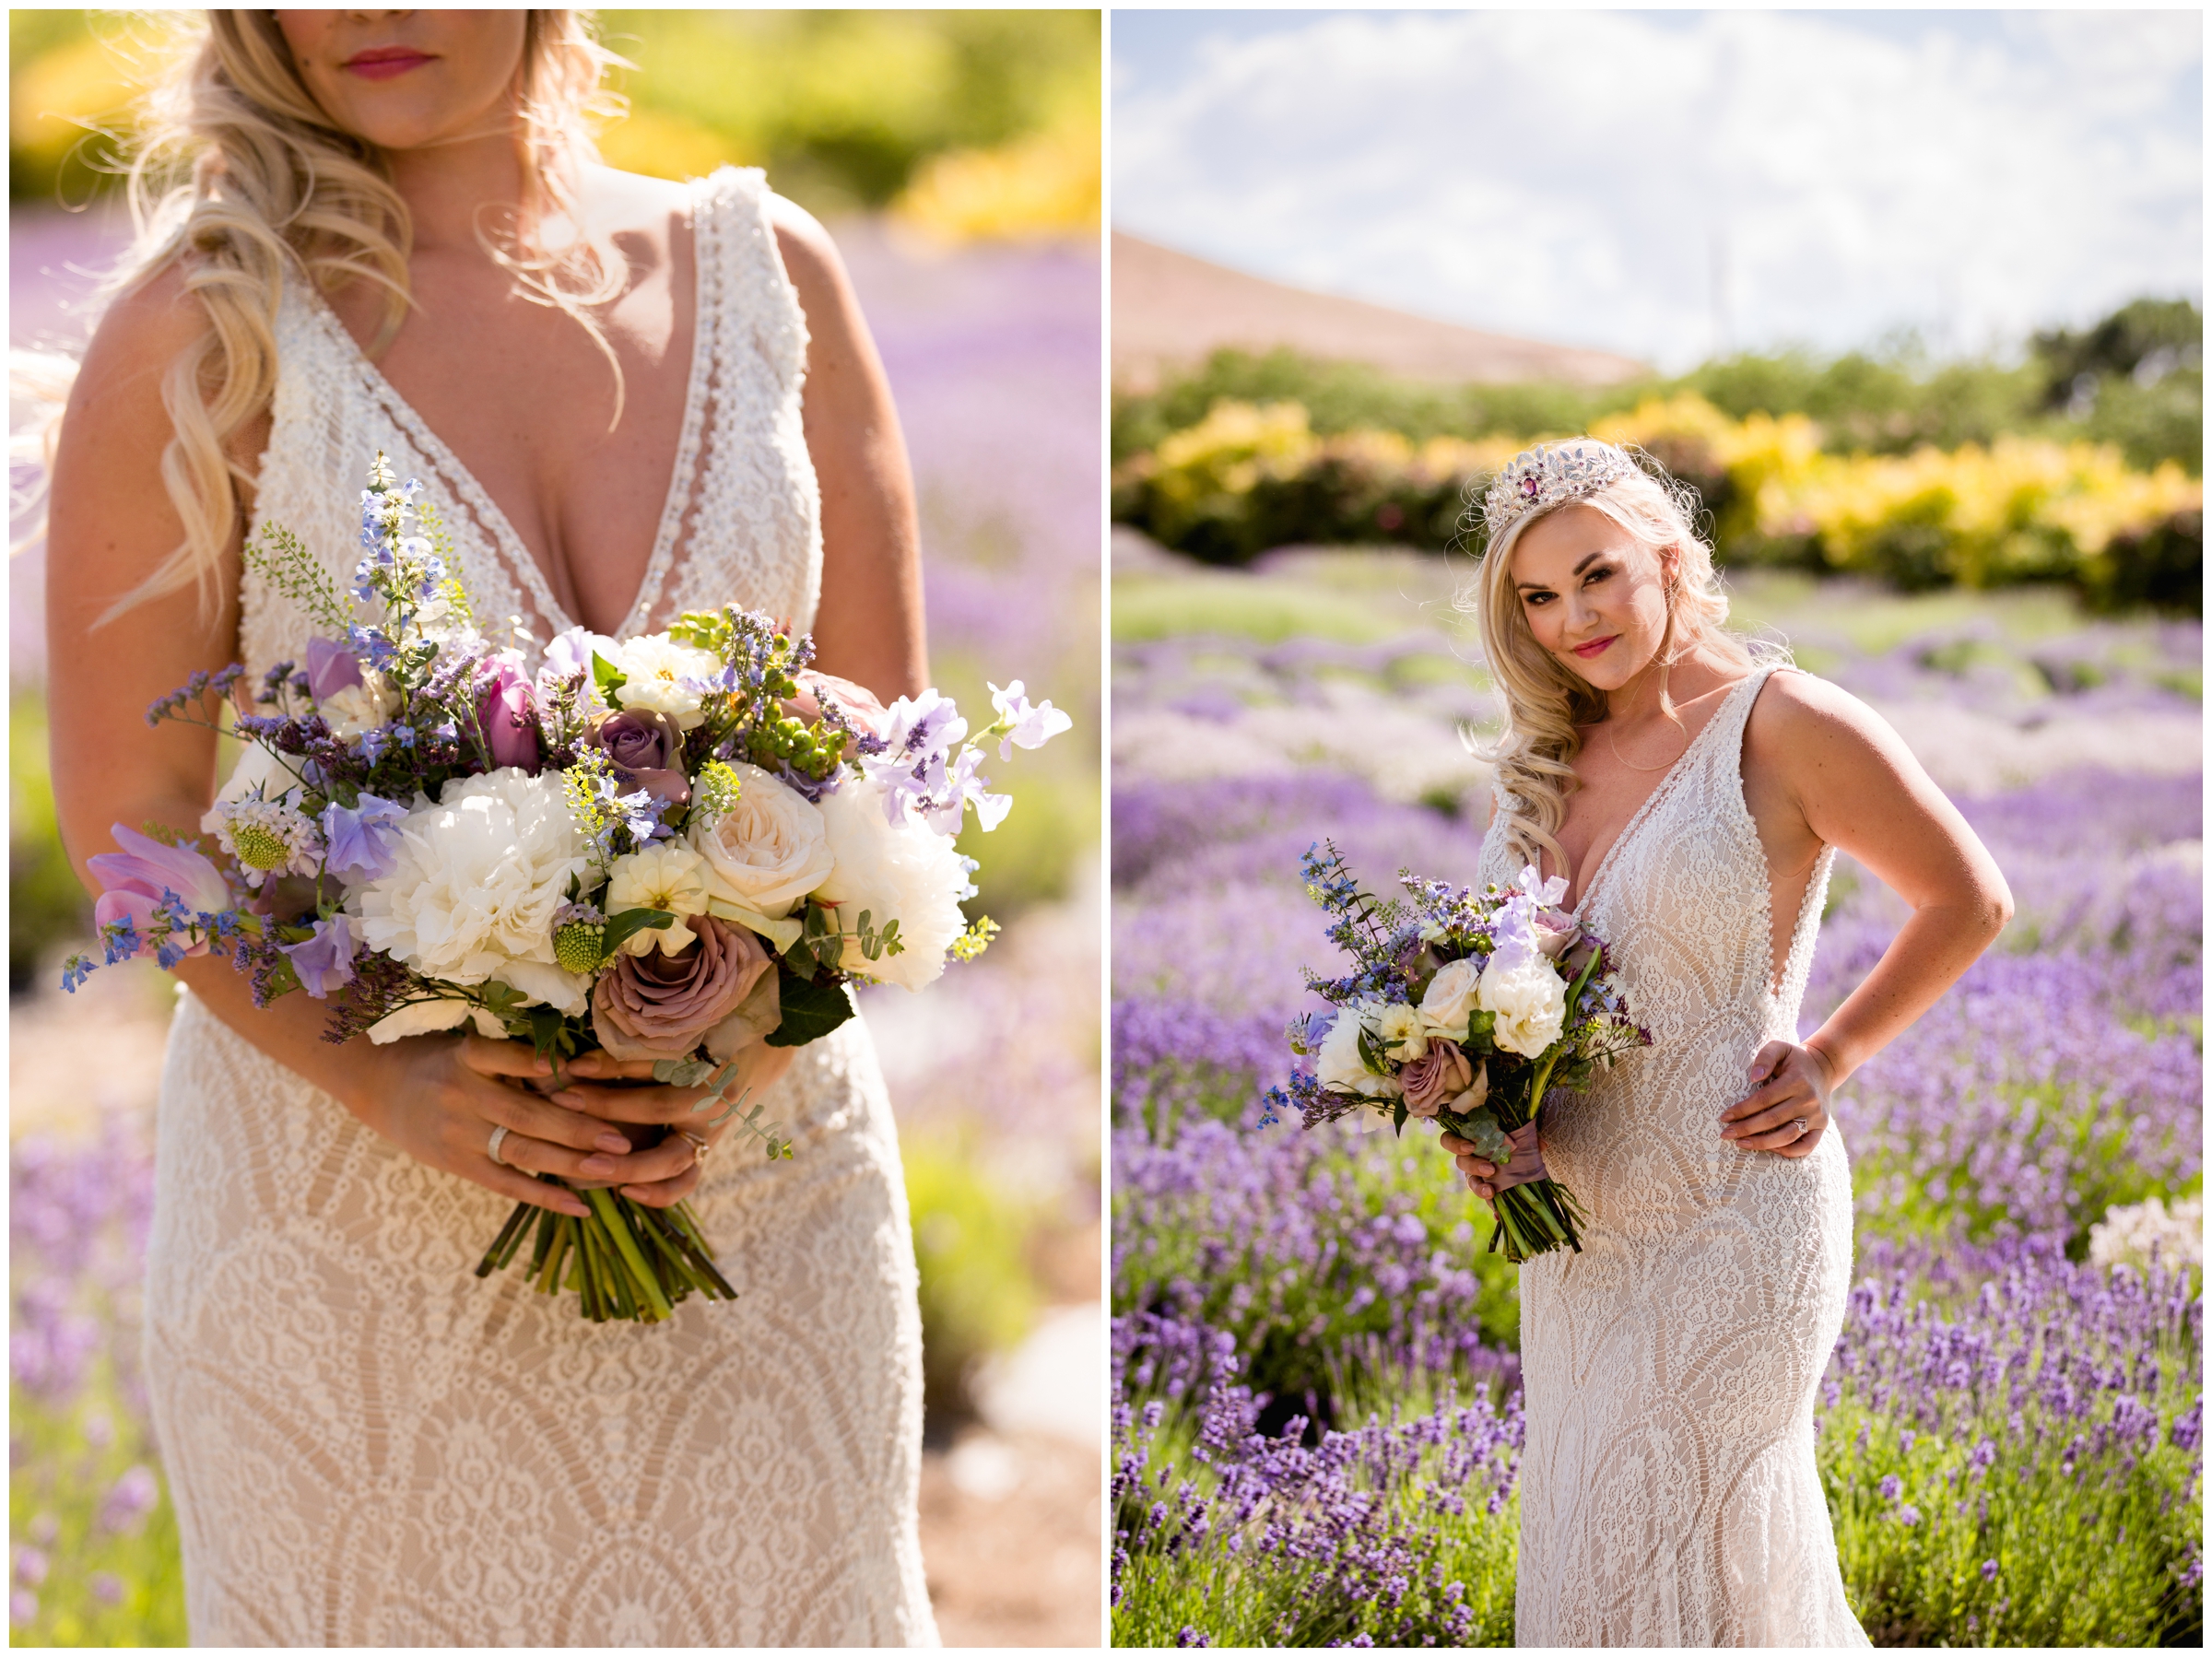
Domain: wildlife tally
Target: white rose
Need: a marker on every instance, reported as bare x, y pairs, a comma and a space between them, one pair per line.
1530, 1003
654, 668
477, 882
908, 873
367, 706
1338, 1066
767, 852
261, 775
1450, 998
667, 876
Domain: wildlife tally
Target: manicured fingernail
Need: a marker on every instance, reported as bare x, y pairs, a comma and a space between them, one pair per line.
570, 1098
597, 1167
544, 1067
576, 1211
613, 1142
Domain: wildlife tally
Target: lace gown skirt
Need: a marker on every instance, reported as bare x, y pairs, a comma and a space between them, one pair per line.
1669, 1495
371, 1446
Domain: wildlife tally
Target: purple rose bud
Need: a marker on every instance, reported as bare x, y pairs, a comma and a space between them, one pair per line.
509, 715
331, 667
646, 748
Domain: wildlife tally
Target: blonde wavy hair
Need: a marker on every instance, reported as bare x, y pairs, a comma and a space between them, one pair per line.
237, 177
1546, 702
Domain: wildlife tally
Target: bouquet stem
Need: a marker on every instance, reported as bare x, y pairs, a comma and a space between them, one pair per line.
1536, 1218
625, 1260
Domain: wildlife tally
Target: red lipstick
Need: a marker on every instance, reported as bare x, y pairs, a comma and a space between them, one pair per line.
384, 62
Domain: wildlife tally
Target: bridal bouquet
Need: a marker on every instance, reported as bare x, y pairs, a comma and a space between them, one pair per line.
668, 848
1464, 1008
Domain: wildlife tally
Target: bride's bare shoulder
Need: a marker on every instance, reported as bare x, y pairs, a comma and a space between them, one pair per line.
1814, 732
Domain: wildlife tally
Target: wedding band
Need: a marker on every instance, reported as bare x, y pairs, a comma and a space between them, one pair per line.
492, 1149
1799, 1125
700, 1147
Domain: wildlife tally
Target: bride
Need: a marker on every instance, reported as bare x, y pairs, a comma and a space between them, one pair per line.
629, 398
1692, 794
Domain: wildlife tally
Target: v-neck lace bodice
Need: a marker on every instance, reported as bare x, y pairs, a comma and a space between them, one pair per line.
741, 521
1669, 1491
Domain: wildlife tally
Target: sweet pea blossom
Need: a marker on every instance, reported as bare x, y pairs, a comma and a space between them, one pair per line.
363, 839
324, 962
143, 878
1032, 727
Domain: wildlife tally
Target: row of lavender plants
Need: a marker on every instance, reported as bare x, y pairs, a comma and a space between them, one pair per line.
1317, 1396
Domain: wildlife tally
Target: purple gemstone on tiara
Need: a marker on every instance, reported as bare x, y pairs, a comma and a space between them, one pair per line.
1529, 488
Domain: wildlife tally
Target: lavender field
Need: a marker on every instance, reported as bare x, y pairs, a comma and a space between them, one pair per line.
992, 353
1316, 1388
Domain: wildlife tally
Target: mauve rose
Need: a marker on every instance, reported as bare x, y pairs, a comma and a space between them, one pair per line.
509, 715
662, 1006
1554, 929
862, 712
1438, 1076
647, 749
330, 668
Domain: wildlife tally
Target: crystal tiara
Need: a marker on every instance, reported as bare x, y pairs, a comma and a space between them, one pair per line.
1549, 473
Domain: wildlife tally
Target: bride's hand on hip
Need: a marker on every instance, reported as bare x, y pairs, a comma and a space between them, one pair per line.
1787, 1111
444, 1099
1484, 1177
665, 1174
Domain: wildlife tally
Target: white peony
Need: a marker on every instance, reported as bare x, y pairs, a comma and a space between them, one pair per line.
1448, 999
908, 873
426, 1018
477, 882
1338, 1066
767, 852
669, 876
654, 668
1529, 1001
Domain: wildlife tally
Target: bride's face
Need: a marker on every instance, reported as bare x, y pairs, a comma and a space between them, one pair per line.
1593, 596
408, 79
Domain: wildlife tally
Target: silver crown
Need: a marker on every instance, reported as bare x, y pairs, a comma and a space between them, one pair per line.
1549, 473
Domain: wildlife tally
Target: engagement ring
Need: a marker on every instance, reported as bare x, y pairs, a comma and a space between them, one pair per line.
699, 1146
493, 1150
1799, 1125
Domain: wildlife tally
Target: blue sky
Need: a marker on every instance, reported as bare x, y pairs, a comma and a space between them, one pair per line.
1666, 182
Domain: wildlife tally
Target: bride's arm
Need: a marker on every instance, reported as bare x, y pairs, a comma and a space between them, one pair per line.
868, 627
111, 525
1855, 786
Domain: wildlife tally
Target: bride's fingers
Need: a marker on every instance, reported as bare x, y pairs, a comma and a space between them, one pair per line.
1454, 1144
664, 1194
488, 1057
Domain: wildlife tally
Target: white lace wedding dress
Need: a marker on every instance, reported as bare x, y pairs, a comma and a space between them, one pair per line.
368, 1445
1669, 1491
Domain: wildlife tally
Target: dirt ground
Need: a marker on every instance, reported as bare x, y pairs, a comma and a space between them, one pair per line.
1012, 1527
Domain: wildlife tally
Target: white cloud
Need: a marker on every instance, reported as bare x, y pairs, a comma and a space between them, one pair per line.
1566, 175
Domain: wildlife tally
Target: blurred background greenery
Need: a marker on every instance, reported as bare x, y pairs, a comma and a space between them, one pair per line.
2079, 462
963, 123
954, 155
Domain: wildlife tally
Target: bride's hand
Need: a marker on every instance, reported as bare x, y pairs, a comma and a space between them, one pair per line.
665, 1174
440, 1098
1787, 1111
1482, 1177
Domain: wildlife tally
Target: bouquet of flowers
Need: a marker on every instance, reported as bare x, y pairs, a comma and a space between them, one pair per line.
669, 848
1463, 1007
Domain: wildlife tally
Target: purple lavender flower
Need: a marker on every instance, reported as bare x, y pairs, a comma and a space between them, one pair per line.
129, 1501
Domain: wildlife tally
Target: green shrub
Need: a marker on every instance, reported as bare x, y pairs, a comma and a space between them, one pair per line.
978, 1297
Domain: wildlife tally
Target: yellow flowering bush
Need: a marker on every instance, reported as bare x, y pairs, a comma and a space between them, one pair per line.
1251, 476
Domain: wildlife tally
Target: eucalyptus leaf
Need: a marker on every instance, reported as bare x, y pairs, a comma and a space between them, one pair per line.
682, 1073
